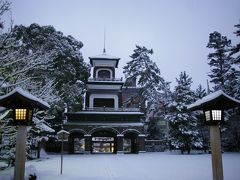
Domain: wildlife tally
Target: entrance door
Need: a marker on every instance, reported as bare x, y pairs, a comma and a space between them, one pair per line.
127, 145
79, 145
104, 141
130, 143
103, 145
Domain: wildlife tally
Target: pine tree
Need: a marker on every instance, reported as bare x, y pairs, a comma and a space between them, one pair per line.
36, 132
200, 92
183, 132
153, 89
234, 82
8, 135
231, 82
4, 8
231, 134
219, 60
203, 131
145, 71
235, 50
225, 75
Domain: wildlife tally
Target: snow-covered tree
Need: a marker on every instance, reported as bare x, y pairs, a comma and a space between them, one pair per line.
200, 92
231, 134
4, 8
153, 89
43, 60
47, 63
202, 129
235, 50
39, 130
234, 82
219, 60
145, 71
8, 138
157, 110
225, 75
183, 132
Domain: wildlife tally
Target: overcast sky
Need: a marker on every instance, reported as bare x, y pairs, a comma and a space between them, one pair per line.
177, 30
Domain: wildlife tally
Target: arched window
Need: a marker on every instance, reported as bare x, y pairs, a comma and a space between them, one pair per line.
104, 74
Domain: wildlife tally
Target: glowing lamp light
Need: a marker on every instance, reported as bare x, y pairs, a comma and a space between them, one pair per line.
213, 117
22, 104
23, 116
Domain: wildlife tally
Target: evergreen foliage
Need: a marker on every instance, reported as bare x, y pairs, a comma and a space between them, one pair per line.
8, 139
202, 129
183, 132
145, 71
225, 75
218, 60
235, 50
153, 89
4, 8
43, 60
49, 65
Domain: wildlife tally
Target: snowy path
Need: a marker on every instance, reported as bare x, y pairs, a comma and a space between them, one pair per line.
148, 166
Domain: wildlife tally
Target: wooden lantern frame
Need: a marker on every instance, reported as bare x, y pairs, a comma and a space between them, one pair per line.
20, 99
216, 101
211, 119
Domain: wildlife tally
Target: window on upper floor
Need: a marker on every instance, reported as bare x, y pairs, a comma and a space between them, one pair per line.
102, 102
104, 74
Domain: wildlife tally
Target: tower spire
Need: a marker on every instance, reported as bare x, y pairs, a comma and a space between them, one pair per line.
104, 41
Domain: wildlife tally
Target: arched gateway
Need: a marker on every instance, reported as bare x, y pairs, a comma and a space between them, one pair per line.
109, 123
104, 141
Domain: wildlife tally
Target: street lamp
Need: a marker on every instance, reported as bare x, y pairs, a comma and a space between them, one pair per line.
62, 136
23, 104
213, 106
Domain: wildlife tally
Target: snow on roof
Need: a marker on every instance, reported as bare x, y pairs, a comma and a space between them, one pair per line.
211, 97
104, 56
62, 131
27, 95
45, 128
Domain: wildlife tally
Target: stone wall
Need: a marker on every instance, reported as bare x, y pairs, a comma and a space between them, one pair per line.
155, 145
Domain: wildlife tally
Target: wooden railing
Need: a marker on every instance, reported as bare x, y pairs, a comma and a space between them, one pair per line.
105, 79
106, 109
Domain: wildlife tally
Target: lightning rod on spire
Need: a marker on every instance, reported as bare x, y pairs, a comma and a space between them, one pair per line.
104, 41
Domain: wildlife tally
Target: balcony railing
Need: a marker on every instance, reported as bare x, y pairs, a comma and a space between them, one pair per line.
105, 79
106, 109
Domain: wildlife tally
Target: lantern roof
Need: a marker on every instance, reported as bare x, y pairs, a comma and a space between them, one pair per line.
62, 132
19, 98
216, 100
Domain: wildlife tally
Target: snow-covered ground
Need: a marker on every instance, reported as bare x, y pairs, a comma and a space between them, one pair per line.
148, 166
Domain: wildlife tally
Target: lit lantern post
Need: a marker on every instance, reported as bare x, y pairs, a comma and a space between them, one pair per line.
62, 136
23, 104
213, 106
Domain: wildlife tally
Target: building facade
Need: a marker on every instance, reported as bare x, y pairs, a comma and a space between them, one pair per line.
106, 124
